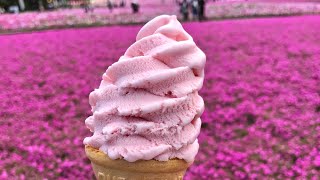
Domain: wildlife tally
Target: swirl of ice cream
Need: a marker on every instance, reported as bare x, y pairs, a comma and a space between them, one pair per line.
147, 105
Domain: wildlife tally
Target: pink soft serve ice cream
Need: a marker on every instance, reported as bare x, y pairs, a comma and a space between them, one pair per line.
147, 105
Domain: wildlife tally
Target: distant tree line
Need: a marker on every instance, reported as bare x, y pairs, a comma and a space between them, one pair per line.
31, 5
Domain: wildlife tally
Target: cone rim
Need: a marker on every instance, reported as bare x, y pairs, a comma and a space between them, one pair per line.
148, 166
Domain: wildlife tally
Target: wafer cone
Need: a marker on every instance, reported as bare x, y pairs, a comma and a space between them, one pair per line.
107, 169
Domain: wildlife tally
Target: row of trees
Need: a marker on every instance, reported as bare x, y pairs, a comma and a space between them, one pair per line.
25, 5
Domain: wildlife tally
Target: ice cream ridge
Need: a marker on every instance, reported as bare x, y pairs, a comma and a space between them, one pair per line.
147, 106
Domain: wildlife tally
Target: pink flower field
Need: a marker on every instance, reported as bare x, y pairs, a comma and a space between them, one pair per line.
101, 16
262, 96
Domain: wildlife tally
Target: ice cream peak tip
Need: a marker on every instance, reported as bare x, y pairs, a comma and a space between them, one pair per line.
164, 24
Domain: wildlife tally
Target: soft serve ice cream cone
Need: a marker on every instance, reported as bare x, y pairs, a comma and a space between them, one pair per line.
146, 111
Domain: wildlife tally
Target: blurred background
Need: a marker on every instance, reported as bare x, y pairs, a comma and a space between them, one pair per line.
261, 90
23, 15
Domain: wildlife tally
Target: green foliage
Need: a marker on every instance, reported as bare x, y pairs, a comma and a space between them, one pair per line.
6, 3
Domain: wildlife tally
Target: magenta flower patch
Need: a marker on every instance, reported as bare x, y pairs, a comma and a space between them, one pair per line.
261, 93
